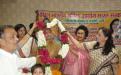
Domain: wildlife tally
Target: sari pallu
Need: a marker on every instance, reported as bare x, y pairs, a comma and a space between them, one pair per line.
101, 64
76, 65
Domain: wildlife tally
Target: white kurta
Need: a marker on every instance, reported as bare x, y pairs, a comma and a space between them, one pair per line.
10, 63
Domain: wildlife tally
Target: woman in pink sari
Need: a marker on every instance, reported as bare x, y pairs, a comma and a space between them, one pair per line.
77, 60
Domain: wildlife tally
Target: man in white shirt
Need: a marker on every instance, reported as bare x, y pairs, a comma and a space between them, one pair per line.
9, 62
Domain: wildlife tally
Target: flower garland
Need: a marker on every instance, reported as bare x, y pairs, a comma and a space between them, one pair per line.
40, 25
43, 52
65, 47
63, 37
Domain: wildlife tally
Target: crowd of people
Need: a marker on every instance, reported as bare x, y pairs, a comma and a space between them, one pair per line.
22, 51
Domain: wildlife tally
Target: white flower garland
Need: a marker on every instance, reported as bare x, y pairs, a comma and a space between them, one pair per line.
64, 50
41, 39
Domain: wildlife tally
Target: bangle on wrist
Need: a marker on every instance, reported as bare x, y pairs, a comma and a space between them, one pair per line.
28, 34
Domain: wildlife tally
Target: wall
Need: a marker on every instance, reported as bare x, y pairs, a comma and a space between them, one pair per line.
23, 11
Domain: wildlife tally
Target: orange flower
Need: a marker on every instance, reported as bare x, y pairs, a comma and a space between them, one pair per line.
56, 72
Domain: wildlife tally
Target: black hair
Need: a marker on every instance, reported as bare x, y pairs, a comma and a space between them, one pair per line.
18, 26
109, 45
31, 25
111, 24
3, 27
37, 66
84, 28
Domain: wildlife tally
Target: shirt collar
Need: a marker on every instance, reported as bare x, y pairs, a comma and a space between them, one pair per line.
5, 53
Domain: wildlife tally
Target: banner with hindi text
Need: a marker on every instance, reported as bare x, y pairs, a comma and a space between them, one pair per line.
92, 19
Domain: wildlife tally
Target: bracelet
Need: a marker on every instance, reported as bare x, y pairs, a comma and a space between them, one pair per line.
28, 34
